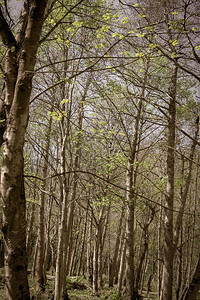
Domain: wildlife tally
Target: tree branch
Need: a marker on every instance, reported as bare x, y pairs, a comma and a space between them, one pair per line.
6, 35
56, 25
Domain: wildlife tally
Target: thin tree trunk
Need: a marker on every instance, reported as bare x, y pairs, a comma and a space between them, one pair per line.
144, 250
120, 253
179, 266
34, 258
116, 251
159, 272
76, 250
104, 228
30, 231
40, 277
167, 280
121, 267
89, 253
97, 241
62, 231
187, 185
192, 291
81, 258
76, 166
47, 243
95, 262
131, 294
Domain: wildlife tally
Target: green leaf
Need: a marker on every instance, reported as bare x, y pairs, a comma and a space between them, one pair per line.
174, 54
152, 46
140, 54
132, 31
107, 17
78, 23
141, 34
142, 15
175, 13
64, 101
12, 49
115, 34
174, 42
124, 20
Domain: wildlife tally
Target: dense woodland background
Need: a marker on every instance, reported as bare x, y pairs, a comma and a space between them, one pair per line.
111, 151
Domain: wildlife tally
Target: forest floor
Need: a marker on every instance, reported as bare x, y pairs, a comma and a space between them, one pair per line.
77, 290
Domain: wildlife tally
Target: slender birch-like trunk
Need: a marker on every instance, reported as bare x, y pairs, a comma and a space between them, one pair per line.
81, 258
122, 265
159, 272
130, 198
40, 276
167, 280
62, 230
21, 52
116, 251
89, 252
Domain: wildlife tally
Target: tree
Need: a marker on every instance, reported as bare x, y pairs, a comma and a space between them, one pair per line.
111, 140
21, 50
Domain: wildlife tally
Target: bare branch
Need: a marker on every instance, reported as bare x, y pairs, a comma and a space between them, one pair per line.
6, 35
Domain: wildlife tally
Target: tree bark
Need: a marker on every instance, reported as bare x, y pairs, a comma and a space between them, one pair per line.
131, 176
159, 272
81, 258
191, 292
116, 251
20, 62
141, 260
122, 265
89, 252
167, 280
62, 231
40, 276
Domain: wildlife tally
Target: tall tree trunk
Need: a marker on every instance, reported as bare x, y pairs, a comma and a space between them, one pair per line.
95, 286
40, 276
167, 280
159, 272
191, 292
122, 265
184, 193
119, 256
193, 288
116, 251
145, 236
30, 231
89, 252
47, 243
62, 231
179, 266
20, 62
131, 294
76, 248
76, 166
129, 234
60, 276
97, 242
81, 258
104, 226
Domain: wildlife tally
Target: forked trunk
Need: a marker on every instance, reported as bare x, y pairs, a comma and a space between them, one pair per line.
20, 62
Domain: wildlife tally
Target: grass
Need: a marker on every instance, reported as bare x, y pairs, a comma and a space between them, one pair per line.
77, 290
74, 294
